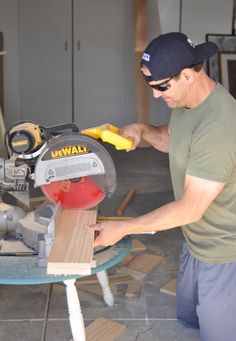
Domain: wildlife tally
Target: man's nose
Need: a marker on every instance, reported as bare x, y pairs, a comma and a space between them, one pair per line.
157, 93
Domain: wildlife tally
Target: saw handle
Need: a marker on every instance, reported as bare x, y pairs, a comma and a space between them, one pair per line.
111, 134
62, 127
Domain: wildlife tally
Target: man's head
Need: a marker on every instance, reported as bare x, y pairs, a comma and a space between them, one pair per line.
170, 53
170, 65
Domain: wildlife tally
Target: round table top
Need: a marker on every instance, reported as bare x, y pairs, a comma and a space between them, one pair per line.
19, 270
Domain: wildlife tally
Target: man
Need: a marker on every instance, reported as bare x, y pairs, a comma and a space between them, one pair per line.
201, 141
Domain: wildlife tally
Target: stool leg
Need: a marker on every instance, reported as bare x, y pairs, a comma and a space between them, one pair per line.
75, 314
104, 282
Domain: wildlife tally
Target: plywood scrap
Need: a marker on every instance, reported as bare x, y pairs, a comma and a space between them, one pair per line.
133, 289
132, 272
113, 280
169, 287
72, 249
145, 262
140, 265
95, 289
103, 329
137, 246
126, 260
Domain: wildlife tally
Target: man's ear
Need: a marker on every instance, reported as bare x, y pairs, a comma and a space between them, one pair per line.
187, 74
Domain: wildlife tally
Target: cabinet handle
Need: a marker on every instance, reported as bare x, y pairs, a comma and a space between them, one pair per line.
78, 45
66, 45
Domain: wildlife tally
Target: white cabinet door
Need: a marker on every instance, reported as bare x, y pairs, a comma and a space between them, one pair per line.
45, 63
104, 63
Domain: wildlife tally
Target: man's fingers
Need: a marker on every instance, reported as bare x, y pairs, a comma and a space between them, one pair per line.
94, 227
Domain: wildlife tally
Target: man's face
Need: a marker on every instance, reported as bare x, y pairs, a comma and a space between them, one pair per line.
174, 93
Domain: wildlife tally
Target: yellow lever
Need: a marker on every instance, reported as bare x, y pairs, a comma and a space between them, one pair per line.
109, 133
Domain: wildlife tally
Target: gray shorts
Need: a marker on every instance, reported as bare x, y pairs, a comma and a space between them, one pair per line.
206, 297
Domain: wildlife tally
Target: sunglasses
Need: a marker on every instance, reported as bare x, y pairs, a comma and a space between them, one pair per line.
161, 86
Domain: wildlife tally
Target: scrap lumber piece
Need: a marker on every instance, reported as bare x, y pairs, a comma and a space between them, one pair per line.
126, 260
121, 208
72, 249
169, 287
133, 289
113, 280
95, 289
103, 329
145, 262
1, 73
138, 275
141, 40
142, 263
137, 246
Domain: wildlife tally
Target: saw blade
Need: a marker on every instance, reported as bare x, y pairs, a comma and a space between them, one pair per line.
83, 194
76, 171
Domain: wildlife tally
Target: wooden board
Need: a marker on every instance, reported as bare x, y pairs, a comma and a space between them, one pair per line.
104, 330
126, 260
141, 41
137, 246
145, 262
72, 249
95, 289
170, 287
133, 289
132, 272
1, 72
113, 280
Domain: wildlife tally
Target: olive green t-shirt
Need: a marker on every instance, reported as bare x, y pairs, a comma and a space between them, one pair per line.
203, 144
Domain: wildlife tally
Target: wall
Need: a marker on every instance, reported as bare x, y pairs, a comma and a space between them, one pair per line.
196, 19
9, 26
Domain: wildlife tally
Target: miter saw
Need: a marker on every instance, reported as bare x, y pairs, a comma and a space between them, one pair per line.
72, 168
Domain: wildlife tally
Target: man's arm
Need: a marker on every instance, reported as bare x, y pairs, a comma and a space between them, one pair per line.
158, 137
198, 195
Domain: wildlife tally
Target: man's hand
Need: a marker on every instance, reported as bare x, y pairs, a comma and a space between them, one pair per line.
133, 131
108, 233
158, 137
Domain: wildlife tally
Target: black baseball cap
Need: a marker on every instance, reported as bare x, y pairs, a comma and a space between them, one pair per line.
168, 54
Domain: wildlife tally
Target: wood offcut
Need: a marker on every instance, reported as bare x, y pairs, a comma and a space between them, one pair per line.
141, 41
104, 330
1, 71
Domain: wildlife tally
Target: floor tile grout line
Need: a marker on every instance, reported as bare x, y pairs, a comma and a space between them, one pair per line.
46, 312
67, 319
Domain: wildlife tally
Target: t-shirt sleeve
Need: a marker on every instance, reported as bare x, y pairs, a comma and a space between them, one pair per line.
212, 154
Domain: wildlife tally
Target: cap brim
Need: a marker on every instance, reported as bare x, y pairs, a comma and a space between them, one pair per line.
206, 51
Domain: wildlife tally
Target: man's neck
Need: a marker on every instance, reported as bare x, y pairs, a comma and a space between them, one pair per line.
200, 90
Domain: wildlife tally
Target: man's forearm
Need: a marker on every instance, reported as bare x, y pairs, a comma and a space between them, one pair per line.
171, 215
158, 137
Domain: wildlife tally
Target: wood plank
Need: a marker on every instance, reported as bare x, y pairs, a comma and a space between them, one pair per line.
132, 272
113, 280
141, 41
95, 289
137, 246
126, 260
1, 72
72, 249
104, 330
145, 262
133, 289
169, 287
